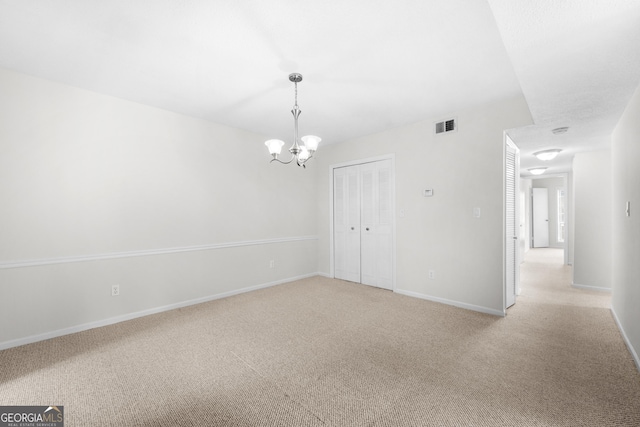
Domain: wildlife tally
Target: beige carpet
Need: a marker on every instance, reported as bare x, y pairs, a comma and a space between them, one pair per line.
322, 352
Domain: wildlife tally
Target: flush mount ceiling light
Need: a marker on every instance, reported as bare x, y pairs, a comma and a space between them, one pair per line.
558, 131
537, 171
300, 153
547, 154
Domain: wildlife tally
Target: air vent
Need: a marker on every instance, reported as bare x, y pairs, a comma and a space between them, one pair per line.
446, 126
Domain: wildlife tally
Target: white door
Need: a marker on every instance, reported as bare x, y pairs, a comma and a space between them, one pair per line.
523, 239
376, 224
540, 218
346, 223
363, 223
511, 223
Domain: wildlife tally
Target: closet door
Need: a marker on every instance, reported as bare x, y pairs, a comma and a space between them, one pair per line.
376, 239
346, 223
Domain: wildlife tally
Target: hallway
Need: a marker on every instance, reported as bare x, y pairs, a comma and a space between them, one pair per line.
544, 278
575, 333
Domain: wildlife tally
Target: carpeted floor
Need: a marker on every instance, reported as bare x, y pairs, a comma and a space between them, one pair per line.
323, 352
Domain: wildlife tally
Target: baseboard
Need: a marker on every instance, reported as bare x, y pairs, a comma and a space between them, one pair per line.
113, 320
590, 288
459, 304
626, 339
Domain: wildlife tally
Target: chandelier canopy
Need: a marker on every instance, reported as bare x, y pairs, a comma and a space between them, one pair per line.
299, 152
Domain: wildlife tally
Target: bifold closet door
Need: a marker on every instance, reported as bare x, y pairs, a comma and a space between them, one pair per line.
346, 223
363, 224
512, 228
376, 224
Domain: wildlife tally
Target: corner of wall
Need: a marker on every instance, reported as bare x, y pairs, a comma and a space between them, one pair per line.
632, 350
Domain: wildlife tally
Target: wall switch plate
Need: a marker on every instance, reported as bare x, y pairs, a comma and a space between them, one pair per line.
428, 192
115, 290
477, 212
272, 264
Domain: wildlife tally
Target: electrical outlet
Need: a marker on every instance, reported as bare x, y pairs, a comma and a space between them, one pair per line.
432, 274
115, 290
272, 264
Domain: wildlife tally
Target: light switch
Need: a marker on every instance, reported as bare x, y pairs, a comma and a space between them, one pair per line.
428, 192
628, 209
476, 212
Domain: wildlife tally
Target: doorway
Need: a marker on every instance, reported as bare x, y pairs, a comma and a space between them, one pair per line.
557, 211
363, 223
540, 218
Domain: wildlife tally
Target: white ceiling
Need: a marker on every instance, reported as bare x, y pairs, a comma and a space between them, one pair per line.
578, 63
368, 65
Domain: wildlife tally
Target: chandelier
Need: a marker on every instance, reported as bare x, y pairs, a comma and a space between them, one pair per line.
299, 153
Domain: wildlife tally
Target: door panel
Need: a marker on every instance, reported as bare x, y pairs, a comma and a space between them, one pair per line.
346, 223
540, 218
376, 226
367, 227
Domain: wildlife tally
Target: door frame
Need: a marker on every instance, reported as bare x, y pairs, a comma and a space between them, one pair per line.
390, 157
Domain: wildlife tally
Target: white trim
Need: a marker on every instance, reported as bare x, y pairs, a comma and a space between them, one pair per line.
110, 321
626, 339
392, 158
591, 288
148, 252
459, 304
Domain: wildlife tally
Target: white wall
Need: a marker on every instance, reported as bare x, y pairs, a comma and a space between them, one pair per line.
98, 191
592, 223
626, 229
465, 170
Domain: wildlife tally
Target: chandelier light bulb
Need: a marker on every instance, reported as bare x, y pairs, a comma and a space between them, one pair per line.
274, 146
311, 142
